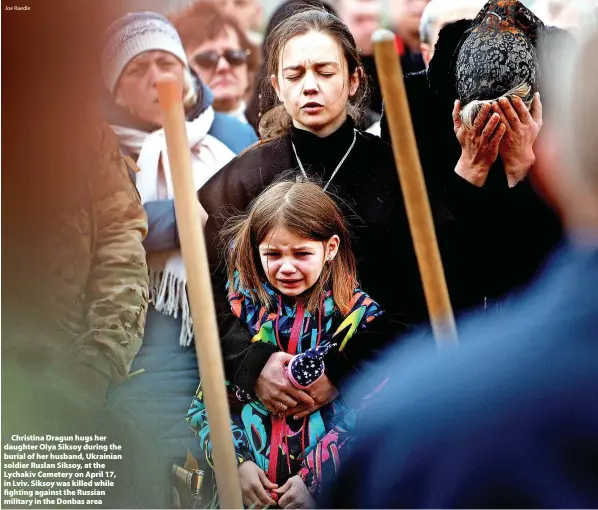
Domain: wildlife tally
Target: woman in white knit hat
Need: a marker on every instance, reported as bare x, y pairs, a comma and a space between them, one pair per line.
138, 50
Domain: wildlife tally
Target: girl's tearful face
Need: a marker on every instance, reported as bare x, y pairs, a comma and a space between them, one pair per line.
293, 264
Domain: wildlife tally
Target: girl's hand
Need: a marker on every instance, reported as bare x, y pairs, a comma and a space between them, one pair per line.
254, 483
294, 494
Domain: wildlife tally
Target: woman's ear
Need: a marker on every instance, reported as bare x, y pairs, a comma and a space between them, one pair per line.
275, 85
355, 78
332, 247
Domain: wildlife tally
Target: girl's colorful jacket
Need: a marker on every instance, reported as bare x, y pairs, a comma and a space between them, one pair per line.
283, 447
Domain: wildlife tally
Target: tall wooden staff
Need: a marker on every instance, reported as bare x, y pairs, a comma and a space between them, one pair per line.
207, 340
414, 187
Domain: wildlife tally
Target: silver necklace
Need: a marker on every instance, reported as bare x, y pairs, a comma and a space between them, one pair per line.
337, 167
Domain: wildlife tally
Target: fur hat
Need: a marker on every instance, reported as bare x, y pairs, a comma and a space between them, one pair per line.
498, 53
486, 58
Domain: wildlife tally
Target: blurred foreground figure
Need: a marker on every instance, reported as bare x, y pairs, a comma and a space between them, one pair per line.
88, 309
75, 280
509, 420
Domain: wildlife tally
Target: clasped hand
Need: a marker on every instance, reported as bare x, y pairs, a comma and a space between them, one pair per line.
257, 490
509, 131
277, 393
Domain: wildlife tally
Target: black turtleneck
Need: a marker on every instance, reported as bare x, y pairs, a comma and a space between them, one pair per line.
321, 156
367, 190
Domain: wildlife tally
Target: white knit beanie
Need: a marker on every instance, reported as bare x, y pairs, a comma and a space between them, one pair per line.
133, 34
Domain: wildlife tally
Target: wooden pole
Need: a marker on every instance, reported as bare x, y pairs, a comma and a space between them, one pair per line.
207, 340
398, 116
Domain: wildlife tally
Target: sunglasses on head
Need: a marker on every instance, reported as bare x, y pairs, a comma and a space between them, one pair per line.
210, 59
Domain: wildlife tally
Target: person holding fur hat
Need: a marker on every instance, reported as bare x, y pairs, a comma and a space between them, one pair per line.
476, 113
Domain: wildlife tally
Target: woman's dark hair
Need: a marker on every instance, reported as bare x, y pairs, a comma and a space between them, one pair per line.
277, 122
290, 7
262, 102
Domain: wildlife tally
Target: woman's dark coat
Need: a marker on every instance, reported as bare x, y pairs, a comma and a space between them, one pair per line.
509, 231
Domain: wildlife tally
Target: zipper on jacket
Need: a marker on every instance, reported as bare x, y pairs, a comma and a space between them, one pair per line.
279, 424
296, 330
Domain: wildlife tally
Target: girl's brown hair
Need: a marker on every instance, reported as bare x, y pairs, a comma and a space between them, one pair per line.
307, 211
277, 121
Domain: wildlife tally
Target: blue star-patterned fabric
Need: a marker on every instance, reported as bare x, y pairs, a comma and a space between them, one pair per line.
306, 368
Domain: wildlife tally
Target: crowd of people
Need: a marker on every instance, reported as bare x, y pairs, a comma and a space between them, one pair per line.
334, 395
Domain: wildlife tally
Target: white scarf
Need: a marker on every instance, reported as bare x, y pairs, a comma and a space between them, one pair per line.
168, 278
